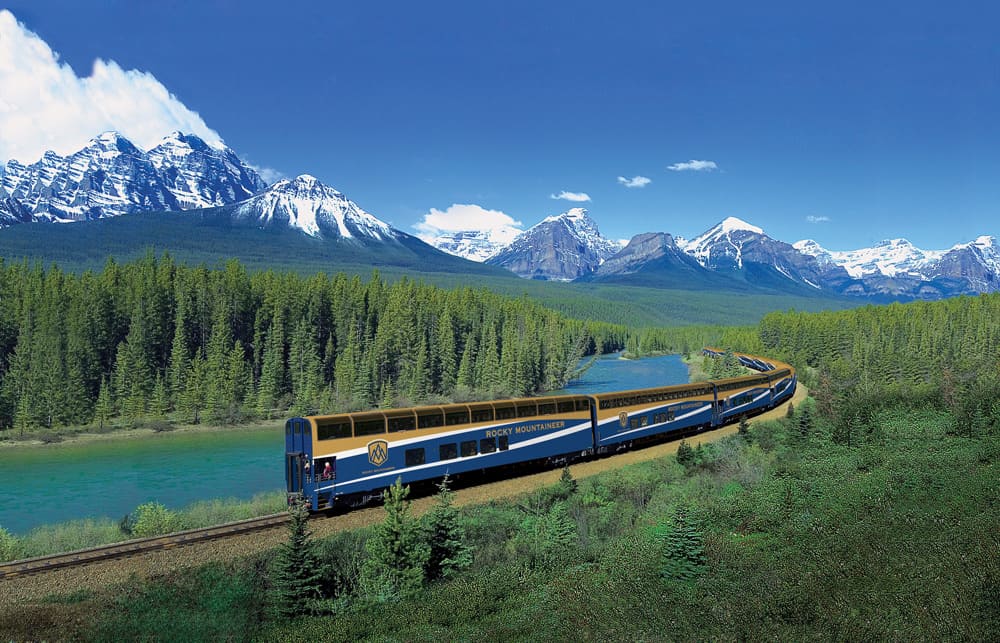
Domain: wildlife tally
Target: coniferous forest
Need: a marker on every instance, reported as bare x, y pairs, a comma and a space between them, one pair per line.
155, 339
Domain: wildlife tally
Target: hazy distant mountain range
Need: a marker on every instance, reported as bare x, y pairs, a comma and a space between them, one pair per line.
111, 177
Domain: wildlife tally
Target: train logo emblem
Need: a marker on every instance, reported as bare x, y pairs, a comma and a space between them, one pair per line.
623, 419
378, 452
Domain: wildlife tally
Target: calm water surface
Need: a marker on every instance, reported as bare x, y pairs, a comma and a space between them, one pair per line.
111, 478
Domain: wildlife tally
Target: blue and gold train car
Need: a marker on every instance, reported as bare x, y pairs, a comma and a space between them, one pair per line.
345, 459
350, 458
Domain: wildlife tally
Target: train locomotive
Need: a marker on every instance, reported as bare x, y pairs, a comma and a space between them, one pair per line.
350, 459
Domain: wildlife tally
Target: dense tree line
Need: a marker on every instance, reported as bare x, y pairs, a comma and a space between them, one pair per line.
153, 339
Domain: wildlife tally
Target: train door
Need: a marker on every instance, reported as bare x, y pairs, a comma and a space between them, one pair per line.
296, 453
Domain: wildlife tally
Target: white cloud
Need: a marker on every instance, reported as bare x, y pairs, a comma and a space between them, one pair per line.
269, 174
45, 106
635, 181
814, 219
461, 217
578, 197
694, 166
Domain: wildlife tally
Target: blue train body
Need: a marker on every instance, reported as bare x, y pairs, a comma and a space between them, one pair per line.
422, 444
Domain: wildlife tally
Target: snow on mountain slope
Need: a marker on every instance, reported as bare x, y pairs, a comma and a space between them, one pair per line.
561, 248
314, 208
727, 237
110, 176
891, 258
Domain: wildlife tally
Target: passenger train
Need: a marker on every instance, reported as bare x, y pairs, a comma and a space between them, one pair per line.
349, 459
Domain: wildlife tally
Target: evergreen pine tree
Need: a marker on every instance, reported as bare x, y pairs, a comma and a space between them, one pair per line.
396, 552
685, 454
683, 557
744, 428
298, 572
448, 552
104, 409
567, 485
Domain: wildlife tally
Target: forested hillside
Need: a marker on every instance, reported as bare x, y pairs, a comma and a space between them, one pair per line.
943, 354
155, 339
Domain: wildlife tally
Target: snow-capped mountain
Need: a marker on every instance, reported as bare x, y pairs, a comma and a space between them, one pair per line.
745, 251
314, 208
895, 267
110, 176
560, 248
474, 245
977, 262
202, 176
891, 258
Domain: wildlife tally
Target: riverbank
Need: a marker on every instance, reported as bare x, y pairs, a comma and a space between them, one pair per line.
76, 436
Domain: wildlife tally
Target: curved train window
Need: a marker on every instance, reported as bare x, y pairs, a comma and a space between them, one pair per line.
333, 430
469, 448
429, 420
369, 427
506, 411
414, 457
583, 405
482, 415
526, 410
567, 407
503, 442
448, 451
487, 445
403, 423
547, 409
457, 417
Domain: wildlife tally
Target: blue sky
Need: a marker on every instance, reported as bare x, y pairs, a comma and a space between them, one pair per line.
848, 123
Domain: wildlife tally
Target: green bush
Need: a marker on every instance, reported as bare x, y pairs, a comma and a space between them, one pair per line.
153, 519
10, 547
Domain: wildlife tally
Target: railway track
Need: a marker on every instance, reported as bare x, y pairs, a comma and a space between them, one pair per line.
330, 523
137, 546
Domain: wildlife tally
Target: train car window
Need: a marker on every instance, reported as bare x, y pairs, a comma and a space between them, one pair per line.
546, 409
583, 405
404, 423
414, 457
487, 445
448, 451
633, 423
506, 411
482, 415
469, 448
644, 420
567, 407
526, 410
333, 430
369, 427
430, 419
503, 443
670, 415
456, 417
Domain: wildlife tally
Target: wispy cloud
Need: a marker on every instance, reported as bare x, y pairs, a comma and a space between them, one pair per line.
462, 217
44, 105
269, 174
578, 197
814, 219
635, 181
693, 166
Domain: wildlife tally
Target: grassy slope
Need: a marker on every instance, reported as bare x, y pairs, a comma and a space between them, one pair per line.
805, 539
194, 238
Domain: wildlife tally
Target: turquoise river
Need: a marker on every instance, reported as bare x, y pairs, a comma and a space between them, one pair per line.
109, 478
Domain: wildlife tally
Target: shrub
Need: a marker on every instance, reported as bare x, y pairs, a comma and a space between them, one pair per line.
153, 519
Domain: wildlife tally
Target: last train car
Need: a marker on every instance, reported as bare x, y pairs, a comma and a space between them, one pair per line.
738, 397
350, 458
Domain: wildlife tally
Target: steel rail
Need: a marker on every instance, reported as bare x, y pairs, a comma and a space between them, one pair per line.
137, 546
